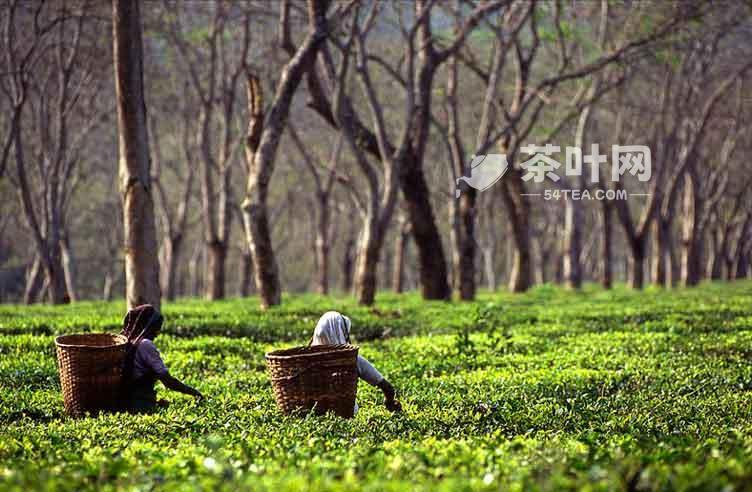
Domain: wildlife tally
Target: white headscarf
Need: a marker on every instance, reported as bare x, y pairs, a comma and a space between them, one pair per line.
333, 328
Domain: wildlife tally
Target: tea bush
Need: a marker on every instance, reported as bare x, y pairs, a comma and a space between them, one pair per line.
547, 390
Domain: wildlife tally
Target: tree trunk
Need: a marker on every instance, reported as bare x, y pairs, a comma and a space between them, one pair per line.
672, 264
431, 258
539, 253
255, 210
69, 268
107, 287
691, 236
574, 220
262, 142
728, 274
400, 252
256, 219
465, 250
574, 211
387, 270
518, 206
715, 265
348, 260
661, 259
559, 270
194, 269
368, 259
637, 264
173, 250
720, 252
215, 278
322, 246
742, 266
34, 281
488, 267
56, 287
246, 274
141, 250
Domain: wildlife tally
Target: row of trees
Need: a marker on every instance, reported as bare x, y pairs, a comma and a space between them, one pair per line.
272, 137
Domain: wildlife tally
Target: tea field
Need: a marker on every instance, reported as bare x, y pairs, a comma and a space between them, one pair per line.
548, 390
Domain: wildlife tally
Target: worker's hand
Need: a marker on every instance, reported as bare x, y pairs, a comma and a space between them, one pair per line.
162, 403
393, 405
199, 397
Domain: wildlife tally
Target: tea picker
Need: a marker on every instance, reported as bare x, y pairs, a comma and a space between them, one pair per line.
143, 364
323, 376
334, 328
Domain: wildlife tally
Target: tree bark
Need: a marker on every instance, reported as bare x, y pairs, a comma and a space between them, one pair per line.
691, 235
462, 208
141, 250
57, 289
255, 209
637, 264
371, 241
728, 274
69, 268
34, 281
107, 287
742, 266
735, 261
607, 241
348, 260
488, 267
464, 249
574, 220
518, 205
431, 258
173, 251
715, 266
574, 213
400, 253
246, 274
215, 281
323, 218
661, 256
194, 269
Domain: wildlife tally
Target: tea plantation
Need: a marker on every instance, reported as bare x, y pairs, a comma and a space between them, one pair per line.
548, 390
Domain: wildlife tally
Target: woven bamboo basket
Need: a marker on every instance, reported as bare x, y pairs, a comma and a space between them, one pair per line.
321, 378
91, 371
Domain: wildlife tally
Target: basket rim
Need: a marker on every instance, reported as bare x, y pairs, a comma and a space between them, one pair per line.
60, 339
281, 354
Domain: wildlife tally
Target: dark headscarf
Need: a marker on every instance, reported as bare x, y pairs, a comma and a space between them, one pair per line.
141, 322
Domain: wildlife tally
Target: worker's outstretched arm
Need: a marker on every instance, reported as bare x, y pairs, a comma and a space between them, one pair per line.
173, 383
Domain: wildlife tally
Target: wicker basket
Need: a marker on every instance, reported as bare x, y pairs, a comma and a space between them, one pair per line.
320, 378
91, 371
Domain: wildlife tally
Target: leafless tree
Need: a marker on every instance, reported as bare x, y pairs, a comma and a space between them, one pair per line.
260, 156
704, 187
50, 65
378, 203
675, 136
216, 72
173, 213
324, 177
